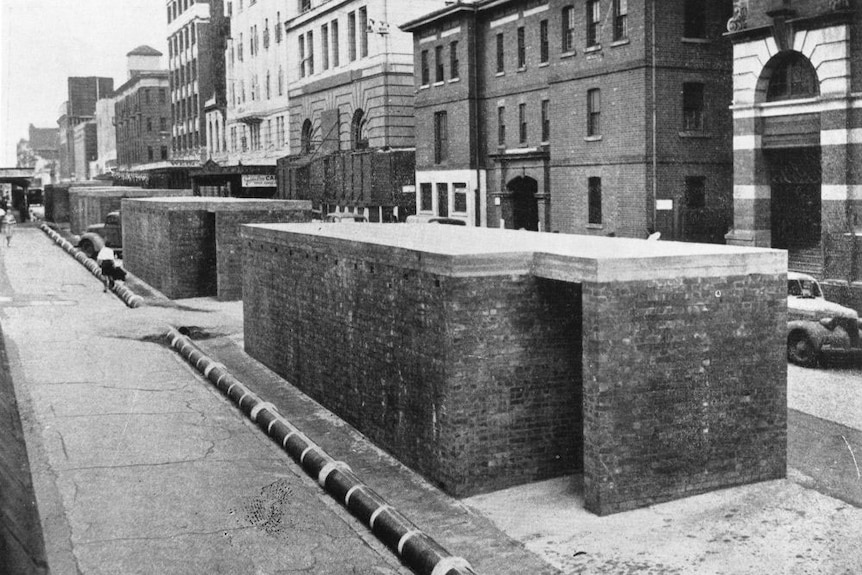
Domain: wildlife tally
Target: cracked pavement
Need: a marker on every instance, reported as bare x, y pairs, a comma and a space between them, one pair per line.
139, 466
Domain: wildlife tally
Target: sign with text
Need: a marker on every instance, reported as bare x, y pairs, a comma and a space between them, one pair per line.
258, 181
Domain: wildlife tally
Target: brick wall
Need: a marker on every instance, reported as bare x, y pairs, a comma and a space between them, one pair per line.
87, 207
659, 379
57, 204
693, 375
188, 247
471, 381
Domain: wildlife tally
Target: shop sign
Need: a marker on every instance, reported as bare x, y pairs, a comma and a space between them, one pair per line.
258, 181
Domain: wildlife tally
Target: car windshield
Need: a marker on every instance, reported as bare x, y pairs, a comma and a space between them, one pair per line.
803, 288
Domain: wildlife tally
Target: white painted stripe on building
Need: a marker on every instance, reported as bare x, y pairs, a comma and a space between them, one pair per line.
751, 192
804, 106
840, 137
504, 20
840, 192
427, 39
536, 10
450, 32
748, 142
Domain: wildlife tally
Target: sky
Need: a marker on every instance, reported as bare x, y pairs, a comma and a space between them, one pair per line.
43, 42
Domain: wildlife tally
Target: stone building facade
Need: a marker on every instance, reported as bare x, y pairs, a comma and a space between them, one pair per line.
797, 144
602, 117
350, 88
80, 106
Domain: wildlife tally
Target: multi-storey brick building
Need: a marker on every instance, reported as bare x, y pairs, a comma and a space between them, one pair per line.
83, 92
142, 111
190, 78
605, 117
350, 87
797, 140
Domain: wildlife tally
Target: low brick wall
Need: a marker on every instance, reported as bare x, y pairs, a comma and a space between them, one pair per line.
488, 358
90, 205
189, 246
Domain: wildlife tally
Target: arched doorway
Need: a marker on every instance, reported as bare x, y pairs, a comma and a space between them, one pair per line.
791, 146
525, 210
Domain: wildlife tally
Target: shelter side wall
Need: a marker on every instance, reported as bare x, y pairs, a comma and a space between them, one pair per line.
685, 387
229, 244
474, 382
146, 245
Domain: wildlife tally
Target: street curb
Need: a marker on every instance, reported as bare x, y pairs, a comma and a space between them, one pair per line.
415, 548
129, 297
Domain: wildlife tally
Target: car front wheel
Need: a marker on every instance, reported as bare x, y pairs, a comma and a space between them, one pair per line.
801, 350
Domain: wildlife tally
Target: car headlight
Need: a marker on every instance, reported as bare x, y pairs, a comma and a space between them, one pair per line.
827, 322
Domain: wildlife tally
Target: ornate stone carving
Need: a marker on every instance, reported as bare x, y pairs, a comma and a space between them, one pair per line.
740, 13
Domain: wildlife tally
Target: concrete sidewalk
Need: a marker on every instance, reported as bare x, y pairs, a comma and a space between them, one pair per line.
141, 467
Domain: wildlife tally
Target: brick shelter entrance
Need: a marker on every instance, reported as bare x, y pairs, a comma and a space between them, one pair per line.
485, 358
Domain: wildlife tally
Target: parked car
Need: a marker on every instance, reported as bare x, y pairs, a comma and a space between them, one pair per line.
344, 218
818, 330
109, 233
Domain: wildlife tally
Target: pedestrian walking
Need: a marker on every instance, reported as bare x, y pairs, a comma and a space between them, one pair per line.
8, 226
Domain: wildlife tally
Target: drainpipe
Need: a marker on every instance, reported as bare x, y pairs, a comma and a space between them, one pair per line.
473, 86
654, 116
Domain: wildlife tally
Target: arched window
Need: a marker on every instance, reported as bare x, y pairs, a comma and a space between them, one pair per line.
305, 138
792, 77
358, 136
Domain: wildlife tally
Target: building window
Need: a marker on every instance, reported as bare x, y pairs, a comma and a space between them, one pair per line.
324, 45
692, 107
301, 56
568, 31
501, 64
268, 93
459, 197
304, 5
425, 71
695, 192
621, 26
162, 96
792, 77
305, 143
239, 47
594, 19
266, 34
454, 72
351, 35
280, 81
309, 39
543, 42
164, 152
426, 197
358, 137
150, 155
522, 124
501, 126
546, 120
438, 64
594, 112
441, 138
522, 48
163, 124
363, 32
333, 29
442, 199
695, 19
149, 124
594, 201
277, 28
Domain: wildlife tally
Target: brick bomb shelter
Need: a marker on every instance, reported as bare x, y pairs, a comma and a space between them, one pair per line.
485, 358
190, 246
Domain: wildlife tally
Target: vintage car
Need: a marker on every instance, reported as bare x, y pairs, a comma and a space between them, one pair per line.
109, 233
344, 218
818, 331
